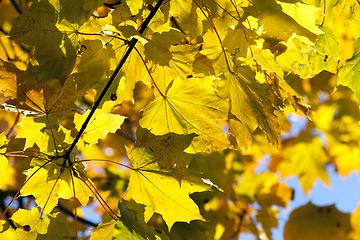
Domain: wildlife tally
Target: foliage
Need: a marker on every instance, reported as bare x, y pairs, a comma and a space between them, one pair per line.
159, 114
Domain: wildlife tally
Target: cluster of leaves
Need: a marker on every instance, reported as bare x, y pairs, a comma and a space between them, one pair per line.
197, 91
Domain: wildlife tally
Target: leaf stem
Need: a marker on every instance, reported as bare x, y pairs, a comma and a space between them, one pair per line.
116, 72
104, 160
13, 126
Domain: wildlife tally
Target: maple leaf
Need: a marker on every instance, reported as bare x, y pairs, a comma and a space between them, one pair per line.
161, 192
104, 231
95, 59
130, 226
174, 112
35, 226
157, 50
350, 71
34, 99
54, 50
315, 222
50, 182
251, 105
327, 53
100, 125
307, 161
168, 150
29, 125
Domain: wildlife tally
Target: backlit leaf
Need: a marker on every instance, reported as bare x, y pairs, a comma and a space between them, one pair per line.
99, 126
161, 192
130, 227
306, 160
50, 183
351, 71
104, 231
54, 50
173, 112
252, 104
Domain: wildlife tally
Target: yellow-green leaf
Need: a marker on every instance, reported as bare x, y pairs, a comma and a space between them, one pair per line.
161, 192
314, 223
252, 105
188, 106
104, 231
99, 126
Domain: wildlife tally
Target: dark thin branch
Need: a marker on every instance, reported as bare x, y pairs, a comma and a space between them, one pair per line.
16, 6
13, 126
3, 31
3, 195
116, 72
23, 47
70, 213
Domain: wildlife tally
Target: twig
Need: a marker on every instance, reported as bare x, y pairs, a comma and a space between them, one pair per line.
16, 6
70, 213
116, 72
13, 126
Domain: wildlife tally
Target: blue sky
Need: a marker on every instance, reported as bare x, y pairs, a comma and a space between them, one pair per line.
344, 192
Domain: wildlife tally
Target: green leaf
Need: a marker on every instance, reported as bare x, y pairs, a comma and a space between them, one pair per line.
161, 192
157, 50
129, 227
252, 105
174, 112
95, 60
350, 71
168, 150
327, 54
104, 231
54, 50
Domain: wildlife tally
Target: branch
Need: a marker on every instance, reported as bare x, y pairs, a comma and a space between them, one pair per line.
116, 72
16, 6
70, 213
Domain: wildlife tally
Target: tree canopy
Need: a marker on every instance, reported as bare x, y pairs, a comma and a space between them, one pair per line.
156, 115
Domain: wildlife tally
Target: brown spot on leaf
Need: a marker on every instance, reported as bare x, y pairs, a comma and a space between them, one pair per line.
26, 228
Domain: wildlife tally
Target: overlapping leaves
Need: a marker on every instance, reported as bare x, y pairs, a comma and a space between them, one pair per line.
193, 56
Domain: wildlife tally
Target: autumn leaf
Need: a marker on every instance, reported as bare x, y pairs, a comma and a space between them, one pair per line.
350, 71
99, 126
168, 150
130, 227
186, 117
252, 105
314, 222
161, 192
4, 163
307, 161
104, 231
54, 50
34, 99
51, 182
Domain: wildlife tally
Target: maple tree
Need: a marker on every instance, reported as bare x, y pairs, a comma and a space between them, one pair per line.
158, 115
